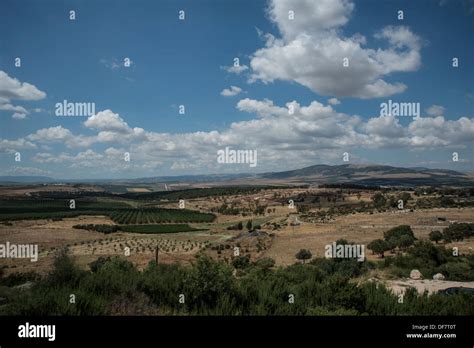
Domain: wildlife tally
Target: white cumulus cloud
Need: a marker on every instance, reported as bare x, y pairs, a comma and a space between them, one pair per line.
232, 91
312, 49
435, 110
334, 101
235, 69
13, 89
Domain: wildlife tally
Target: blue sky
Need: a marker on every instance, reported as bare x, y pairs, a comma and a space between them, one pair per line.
177, 62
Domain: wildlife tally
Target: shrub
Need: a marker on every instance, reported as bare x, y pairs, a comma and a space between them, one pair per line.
460, 271
265, 263
45, 300
97, 264
115, 276
18, 278
65, 271
379, 200
206, 281
321, 287
323, 311
303, 255
106, 229
428, 252
163, 282
241, 262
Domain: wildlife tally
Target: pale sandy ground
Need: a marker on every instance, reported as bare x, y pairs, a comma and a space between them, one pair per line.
48, 233
137, 189
25, 190
362, 229
422, 285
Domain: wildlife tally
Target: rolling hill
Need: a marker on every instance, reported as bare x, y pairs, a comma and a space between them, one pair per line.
317, 174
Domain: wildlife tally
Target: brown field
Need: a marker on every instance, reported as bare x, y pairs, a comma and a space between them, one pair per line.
138, 189
281, 243
361, 229
27, 190
87, 246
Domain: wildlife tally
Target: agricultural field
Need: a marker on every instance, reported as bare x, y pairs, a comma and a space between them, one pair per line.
318, 216
158, 229
158, 215
264, 226
23, 209
119, 211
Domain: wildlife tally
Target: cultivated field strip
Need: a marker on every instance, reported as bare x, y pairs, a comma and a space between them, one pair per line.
119, 212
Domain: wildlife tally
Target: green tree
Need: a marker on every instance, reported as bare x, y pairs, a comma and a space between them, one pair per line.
397, 232
249, 225
405, 241
393, 243
379, 247
458, 231
435, 236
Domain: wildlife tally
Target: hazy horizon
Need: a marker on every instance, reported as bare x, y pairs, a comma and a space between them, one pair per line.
362, 165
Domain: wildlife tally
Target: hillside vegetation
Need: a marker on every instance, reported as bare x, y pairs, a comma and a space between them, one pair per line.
208, 287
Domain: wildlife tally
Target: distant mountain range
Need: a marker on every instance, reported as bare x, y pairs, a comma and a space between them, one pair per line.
353, 170
26, 179
375, 175
316, 174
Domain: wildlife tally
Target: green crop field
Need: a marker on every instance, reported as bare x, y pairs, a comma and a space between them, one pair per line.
31, 209
15, 206
120, 212
50, 215
166, 228
159, 215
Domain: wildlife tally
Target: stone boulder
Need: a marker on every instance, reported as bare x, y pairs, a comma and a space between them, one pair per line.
415, 274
